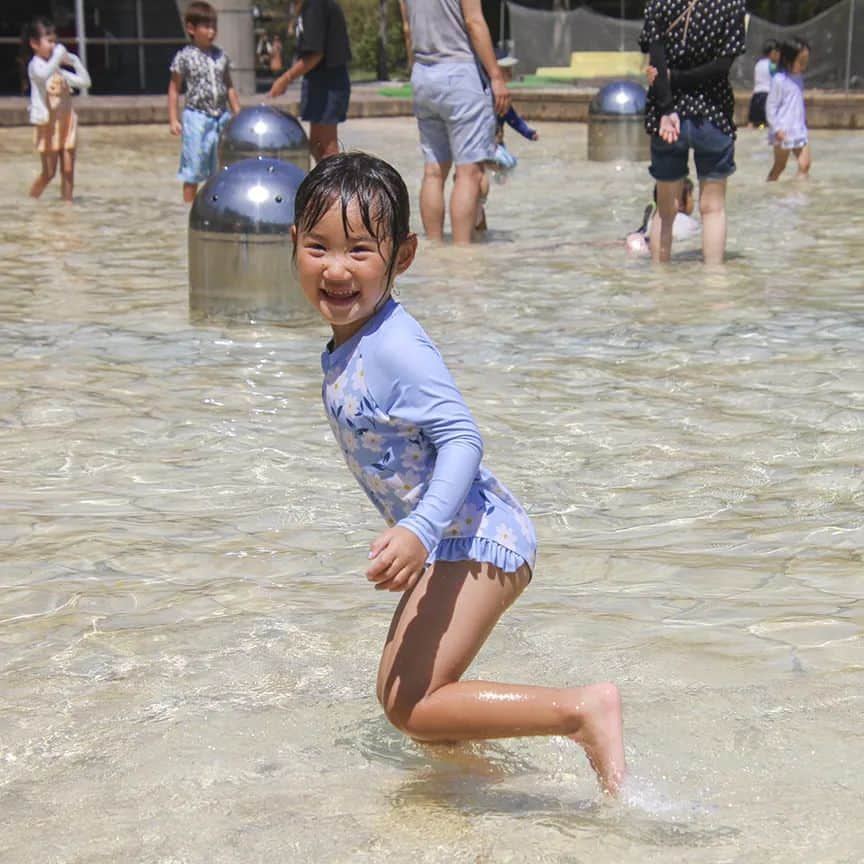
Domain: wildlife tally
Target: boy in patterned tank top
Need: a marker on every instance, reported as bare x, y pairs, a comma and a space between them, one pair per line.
205, 70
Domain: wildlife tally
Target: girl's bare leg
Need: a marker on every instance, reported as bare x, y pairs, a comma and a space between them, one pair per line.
49, 169
712, 207
803, 156
190, 190
668, 196
436, 632
323, 140
67, 174
781, 157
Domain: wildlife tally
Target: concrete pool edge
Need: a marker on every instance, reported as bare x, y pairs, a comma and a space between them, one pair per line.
825, 109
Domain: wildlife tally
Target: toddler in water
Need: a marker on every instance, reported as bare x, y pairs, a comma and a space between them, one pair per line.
51, 109
205, 70
503, 162
763, 71
458, 546
684, 227
785, 110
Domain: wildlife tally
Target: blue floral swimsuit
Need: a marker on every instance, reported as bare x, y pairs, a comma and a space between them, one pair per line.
414, 447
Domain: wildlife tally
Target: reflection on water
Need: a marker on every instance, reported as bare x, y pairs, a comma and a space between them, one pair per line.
189, 652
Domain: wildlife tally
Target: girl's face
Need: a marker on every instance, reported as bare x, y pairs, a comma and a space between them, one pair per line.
801, 61
44, 46
344, 276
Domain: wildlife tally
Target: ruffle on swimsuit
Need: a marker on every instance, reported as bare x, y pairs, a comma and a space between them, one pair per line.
478, 549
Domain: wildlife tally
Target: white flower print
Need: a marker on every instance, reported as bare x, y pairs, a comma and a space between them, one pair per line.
358, 379
375, 482
469, 519
505, 536
349, 439
413, 456
351, 405
372, 441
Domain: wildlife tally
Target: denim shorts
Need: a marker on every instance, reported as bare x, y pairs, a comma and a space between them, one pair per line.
324, 96
454, 113
198, 158
713, 153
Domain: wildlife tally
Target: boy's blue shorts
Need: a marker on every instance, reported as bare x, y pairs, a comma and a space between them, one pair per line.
198, 159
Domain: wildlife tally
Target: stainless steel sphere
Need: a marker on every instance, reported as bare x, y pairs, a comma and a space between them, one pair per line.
240, 251
619, 97
616, 118
267, 131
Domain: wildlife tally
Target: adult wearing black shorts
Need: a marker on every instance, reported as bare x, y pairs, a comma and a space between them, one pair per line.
323, 53
692, 45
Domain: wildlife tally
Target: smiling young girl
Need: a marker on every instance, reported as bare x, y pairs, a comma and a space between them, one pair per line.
458, 545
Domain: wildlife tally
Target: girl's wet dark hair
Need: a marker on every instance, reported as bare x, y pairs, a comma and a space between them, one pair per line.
768, 46
372, 184
789, 51
37, 28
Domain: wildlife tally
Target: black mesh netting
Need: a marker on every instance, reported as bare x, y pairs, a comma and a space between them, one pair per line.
836, 37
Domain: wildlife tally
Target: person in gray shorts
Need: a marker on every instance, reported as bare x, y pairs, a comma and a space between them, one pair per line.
454, 64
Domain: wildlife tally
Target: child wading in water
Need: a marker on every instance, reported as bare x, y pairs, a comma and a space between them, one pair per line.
51, 109
459, 546
205, 70
785, 110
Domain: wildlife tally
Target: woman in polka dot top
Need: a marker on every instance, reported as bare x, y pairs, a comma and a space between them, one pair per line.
692, 45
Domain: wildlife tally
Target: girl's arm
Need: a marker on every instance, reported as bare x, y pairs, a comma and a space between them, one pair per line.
301, 66
423, 394
41, 70
80, 78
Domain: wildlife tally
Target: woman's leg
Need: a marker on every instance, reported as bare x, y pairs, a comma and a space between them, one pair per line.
323, 140
669, 195
712, 206
49, 169
437, 630
67, 173
781, 157
803, 156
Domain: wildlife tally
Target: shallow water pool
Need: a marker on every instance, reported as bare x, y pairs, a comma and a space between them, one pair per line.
188, 645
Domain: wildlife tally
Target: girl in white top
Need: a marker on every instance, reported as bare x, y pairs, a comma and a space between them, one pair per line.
785, 111
51, 109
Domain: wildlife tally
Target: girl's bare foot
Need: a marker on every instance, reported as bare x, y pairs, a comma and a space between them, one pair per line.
601, 733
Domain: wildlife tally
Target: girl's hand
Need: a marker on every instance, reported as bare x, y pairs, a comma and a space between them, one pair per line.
175, 127
651, 75
779, 135
399, 559
279, 86
670, 127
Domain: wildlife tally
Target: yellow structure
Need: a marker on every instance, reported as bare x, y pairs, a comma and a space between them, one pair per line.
598, 64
